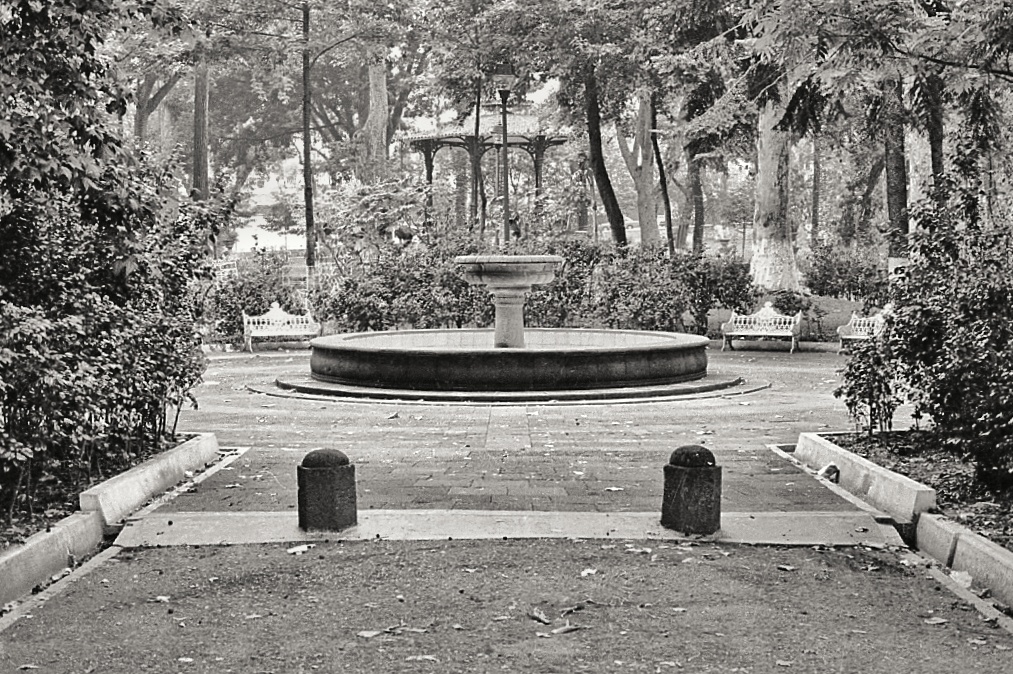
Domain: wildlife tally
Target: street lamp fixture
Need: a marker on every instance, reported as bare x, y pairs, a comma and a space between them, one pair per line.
504, 79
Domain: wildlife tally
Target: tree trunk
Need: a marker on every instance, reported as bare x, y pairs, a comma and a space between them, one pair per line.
148, 100
639, 161
896, 168
601, 176
201, 179
696, 207
773, 265
375, 127
934, 126
814, 215
662, 179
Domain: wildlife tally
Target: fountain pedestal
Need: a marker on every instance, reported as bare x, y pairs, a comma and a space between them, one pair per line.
508, 278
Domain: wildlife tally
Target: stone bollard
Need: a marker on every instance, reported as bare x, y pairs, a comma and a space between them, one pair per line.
326, 491
692, 499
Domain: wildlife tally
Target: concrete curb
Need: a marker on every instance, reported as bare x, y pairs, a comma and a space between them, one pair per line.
955, 546
898, 495
118, 497
952, 545
48, 553
77, 536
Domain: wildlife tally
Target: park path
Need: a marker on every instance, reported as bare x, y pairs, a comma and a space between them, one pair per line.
479, 471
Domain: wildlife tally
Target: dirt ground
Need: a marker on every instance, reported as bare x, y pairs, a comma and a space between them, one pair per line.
511, 606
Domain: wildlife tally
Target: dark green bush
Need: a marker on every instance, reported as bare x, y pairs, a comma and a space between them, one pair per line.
790, 302
716, 282
949, 343
259, 281
417, 287
871, 383
835, 270
597, 286
954, 329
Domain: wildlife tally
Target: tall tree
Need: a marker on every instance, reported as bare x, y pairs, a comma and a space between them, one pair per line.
638, 154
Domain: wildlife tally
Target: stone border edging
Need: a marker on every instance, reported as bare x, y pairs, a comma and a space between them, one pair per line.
952, 545
48, 553
897, 495
119, 496
955, 546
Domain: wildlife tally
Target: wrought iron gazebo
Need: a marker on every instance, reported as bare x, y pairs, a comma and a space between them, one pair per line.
525, 131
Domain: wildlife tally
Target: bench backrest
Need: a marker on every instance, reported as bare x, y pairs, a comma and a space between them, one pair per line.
866, 326
276, 316
766, 318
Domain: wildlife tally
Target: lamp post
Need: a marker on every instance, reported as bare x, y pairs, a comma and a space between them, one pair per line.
504, 79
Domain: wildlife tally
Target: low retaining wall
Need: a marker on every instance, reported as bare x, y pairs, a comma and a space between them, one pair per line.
990, 565
897, 495
117, 497
69, 541
952, 545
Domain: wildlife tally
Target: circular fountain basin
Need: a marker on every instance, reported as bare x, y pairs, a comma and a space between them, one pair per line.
465, 360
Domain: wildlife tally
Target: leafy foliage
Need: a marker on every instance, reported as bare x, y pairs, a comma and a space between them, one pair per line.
256, 284
97, 333
870, 384
834, 270
950, 342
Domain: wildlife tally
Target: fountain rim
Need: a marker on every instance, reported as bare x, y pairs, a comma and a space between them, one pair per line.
664, 340
513, 260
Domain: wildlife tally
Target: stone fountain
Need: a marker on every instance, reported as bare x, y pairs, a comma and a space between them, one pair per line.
509, 278
509, 363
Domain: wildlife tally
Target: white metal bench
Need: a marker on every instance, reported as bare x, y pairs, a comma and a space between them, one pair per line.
765, 323
278, 323
860, 328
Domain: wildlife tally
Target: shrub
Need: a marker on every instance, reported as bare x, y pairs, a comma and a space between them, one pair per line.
870, 384
950, 341
834, 270
715, 282
258, 281
790, 302
954, 329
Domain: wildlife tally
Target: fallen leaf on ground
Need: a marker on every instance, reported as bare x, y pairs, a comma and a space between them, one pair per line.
935, 621
537, 614
369, 634
568, 628
588, 572
679, 609
787, 567
977, 642
161, 599
961, 578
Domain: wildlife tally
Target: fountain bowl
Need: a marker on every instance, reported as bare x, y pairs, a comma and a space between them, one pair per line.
465, 360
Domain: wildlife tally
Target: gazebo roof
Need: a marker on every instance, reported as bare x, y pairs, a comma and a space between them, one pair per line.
523, 127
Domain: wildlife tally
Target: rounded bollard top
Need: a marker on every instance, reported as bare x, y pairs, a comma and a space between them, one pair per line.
692, 456
324, 458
